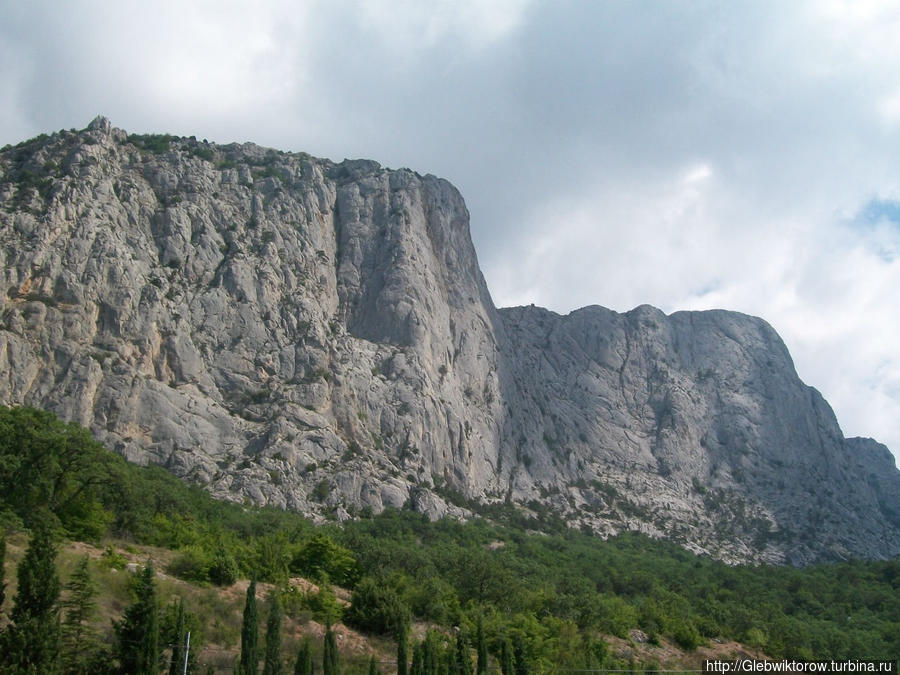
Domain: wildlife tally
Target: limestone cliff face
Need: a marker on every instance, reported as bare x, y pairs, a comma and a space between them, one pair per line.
318, 336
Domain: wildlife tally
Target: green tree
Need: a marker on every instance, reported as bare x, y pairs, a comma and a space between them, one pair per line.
48, 464
304, 664
520, 658
250, 633
331, 664
31, 643
481, 646
2, 569
179, 640
272, 664
417, 667
402, 648
373, 666
376, 607
79, 638
462, 654
429, 654
138, 632
507, 662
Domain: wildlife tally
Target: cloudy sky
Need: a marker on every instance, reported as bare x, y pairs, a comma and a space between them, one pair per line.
689, 155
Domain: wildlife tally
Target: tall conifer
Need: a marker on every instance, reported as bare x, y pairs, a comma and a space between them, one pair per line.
79, 638
250, 634
31, 643
304, 659
138, 632
273, 636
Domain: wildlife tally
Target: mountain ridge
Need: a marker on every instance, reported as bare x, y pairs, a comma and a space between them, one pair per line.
318, 336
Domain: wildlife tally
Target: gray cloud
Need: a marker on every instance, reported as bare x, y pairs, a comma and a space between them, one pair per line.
687, 155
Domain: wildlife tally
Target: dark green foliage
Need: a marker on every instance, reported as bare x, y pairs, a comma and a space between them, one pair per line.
178, 640
177, 624
272, 664
402, 648
250, 634
545, 594
507, 661
481, 648
79, 604
331, 664
137, 634
2, 569
430, 654
304, 664
31, 643
373, 666
376, 607
223, 571
463, 658
325, 606
46, 464
321, 558
417, 667
154, 143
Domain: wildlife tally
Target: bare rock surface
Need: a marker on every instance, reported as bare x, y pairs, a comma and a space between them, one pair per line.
318, 336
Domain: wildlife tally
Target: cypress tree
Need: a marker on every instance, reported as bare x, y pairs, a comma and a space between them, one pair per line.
330, 660
304, 659
451, 659
373, 666
176, 665
462, 655
507, 664
417, 668
429, 654
2, 569
138, 632
519, 657
31, 643
250, 634
481, 645
273, 636
79, 638
402, 648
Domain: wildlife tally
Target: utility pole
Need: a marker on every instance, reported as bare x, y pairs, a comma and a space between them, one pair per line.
187, 648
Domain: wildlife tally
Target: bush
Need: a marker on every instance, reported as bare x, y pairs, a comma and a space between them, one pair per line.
223, 570
377, 608
192, 564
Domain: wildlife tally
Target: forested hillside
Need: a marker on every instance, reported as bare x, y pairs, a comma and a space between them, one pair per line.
536, 596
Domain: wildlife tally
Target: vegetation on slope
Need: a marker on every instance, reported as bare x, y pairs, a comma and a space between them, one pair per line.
555, 601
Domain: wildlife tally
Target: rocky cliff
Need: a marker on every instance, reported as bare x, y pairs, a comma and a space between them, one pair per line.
318, 336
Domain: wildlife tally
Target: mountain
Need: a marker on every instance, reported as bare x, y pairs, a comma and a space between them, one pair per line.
318, 336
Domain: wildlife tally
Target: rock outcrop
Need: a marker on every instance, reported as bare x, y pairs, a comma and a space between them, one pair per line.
318, 336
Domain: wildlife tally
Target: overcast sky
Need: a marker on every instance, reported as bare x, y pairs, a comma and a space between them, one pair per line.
689, 155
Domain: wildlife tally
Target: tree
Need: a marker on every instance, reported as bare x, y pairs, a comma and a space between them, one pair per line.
176, 665
330, 659
507, 663
304, 659
250, 634
519, 657
402, 648
417, 668
79, 638
481, 645
273, 636
373, 666
138, 632
462, 655
2, 569
376, 607
31, 643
